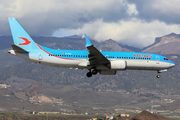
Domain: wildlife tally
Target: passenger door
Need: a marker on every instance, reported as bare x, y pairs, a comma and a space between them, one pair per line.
40, 57
157, 59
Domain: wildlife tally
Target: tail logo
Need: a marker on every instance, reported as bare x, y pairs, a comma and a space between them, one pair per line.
27, 42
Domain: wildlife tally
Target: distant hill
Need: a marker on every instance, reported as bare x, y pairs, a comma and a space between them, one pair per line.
126, 80
40, 96
168, 44
71, 42
126, 84
111, 45
131, 81
145, 115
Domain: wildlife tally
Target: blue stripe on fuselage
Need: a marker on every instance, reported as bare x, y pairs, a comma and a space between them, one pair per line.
83, 54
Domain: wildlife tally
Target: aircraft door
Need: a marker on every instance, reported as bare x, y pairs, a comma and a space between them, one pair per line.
40, 57
157, 59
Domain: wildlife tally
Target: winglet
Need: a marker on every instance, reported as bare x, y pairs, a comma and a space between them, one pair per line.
88, 43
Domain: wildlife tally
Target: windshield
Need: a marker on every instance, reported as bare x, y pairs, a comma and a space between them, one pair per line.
165, 59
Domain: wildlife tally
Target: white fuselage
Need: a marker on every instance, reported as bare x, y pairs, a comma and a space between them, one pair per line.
134, 64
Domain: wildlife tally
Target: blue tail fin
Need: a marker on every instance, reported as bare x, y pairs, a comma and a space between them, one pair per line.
20, 36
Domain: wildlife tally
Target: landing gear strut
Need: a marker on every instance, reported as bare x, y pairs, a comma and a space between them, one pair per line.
94, 72
158, 76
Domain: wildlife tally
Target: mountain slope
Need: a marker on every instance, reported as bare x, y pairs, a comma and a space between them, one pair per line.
72, 43
169, 44
132, 81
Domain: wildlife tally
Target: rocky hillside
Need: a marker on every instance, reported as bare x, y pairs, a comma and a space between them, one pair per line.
111, 45
71, 42
169, 44
144, 115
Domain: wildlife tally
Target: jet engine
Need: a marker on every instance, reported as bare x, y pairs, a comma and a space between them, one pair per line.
118, 65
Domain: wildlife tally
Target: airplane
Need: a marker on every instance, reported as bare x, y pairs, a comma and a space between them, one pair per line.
103, 62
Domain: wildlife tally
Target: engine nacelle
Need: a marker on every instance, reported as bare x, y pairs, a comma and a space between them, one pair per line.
118, 65
107, 72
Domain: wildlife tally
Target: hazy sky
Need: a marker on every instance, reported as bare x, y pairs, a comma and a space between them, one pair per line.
131, 22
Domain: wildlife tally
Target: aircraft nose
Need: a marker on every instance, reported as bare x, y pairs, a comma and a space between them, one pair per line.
172, 64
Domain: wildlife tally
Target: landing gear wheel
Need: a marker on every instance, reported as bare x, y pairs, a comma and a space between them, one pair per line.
94, 72
158, 76
89, 74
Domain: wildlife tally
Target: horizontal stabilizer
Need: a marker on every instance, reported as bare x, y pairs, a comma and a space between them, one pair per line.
18, 49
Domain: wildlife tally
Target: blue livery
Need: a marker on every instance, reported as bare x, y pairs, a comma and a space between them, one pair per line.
103, 62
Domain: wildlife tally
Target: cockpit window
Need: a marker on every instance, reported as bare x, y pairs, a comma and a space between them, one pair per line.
165, 59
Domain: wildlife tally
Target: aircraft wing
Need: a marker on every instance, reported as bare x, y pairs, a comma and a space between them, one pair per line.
96, 58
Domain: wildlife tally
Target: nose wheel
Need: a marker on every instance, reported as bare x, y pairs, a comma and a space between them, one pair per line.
158, 76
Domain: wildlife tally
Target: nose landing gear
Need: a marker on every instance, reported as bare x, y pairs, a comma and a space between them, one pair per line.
160, 71
158, 76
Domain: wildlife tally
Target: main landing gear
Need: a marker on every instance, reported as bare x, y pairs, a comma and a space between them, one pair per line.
94, 72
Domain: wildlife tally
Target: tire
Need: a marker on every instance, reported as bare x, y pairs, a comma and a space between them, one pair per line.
158, 76
89, 74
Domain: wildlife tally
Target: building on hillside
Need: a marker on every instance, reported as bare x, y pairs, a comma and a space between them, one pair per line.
124, 115
109, 117
94, 118
4, 86
48, 112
